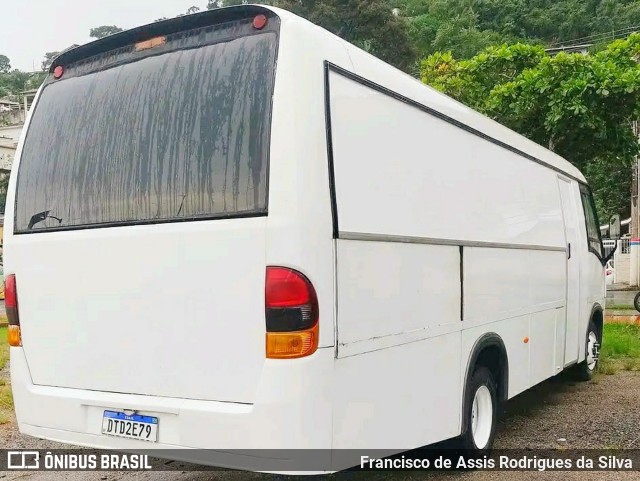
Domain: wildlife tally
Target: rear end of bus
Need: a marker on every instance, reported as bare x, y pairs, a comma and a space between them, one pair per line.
167, 287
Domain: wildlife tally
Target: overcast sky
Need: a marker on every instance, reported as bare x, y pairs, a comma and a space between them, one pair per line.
32, 27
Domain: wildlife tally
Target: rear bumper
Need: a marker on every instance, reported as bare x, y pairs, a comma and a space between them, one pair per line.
293, 410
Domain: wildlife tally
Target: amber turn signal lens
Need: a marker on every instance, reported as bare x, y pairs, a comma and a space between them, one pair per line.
15, 340
291, 345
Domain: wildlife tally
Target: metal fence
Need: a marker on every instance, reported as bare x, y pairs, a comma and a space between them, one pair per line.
624, 246
609, 244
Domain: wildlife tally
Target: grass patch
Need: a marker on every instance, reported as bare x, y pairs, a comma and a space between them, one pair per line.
607, 366
620, 349
6, 399
630, 364
4, 348
620, 307
621, 341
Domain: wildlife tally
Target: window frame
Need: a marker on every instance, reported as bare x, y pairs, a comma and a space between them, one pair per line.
273, 28
586, 199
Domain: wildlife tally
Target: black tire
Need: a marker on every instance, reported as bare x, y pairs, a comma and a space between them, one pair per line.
636, 302
481, 377
585, 371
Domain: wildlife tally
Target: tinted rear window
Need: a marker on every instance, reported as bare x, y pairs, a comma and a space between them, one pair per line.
176, 135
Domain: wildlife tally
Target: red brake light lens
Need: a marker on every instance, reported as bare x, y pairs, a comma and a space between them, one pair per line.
291, 312
11, 305
287, 288
11, 298
58, 72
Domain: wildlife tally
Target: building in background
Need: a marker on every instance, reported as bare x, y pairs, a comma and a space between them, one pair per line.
583, 49
12, 118
9, 137
27, 99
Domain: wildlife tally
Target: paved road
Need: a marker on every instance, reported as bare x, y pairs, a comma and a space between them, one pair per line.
621, 297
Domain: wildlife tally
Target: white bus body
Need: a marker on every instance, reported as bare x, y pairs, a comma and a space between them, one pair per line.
436, 241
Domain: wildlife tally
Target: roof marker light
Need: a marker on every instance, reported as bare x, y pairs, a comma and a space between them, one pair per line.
260, 22
58, 72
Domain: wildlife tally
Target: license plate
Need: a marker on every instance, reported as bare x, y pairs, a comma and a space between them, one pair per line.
132, 426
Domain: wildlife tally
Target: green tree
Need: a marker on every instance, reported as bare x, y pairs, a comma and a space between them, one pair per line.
369, 24
5, 64
465, 27
472, 81
447, 25
35, 80
48, 60
581, 106
14, 82
104, 31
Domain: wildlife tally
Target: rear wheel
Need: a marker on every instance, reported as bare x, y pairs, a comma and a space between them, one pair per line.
636, 302
480, 411
587, 368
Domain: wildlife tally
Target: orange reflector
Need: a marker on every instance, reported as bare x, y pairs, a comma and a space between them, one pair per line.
151, 43
291, 345
526, 340
14, 336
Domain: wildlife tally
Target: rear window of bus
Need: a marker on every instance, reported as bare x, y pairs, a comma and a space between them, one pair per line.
178, 132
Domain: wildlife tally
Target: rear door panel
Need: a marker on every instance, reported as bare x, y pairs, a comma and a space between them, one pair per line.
171, 310
139, 244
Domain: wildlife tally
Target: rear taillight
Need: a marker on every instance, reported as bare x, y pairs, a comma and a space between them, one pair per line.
11, 306
291, 309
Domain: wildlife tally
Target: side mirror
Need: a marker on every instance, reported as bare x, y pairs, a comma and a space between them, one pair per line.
614, 227
614, 233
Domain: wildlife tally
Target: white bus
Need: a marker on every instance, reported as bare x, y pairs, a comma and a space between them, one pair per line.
234, 230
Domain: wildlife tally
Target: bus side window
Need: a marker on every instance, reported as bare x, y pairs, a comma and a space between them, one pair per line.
591, 219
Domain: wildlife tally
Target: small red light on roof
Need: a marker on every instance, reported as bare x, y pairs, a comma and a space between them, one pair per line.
260, 22
58, 72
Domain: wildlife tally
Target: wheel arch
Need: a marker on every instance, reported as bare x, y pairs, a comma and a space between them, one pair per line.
597, 316
488, 349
